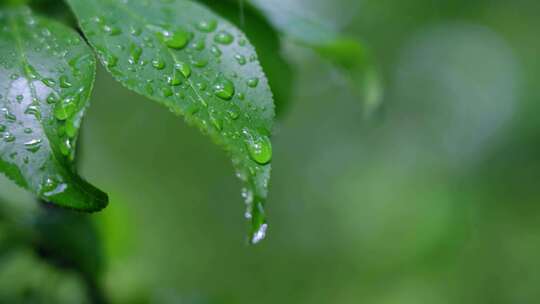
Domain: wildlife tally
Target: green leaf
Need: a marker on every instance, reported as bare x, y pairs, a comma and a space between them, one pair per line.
46, 76
267, 42
347, 53
198, 65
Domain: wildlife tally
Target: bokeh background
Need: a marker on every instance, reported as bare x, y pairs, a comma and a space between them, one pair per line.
434, 198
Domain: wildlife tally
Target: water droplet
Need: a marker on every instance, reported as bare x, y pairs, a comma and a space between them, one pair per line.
215, 51
175, 79
8, 137
8, 115
253, 82
64, 82
33, 145
65, 146
158, 63
51, 186
259, 147
135, 53
233, 114
223, 88
51, 99
240, 59
31, 71
223, 37
260, 234
66, 108
167, 92
33, 110
198, 45
175, 39
48, 82
111, 29
199, 62
216, 122
110, 60
206, 26
184, 68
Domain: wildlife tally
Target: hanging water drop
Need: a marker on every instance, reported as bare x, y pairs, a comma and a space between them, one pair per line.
260, 234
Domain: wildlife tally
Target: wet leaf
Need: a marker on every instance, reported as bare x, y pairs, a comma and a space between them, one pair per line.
185, 57
46, 76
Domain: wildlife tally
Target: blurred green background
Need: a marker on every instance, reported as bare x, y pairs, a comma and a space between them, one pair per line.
434, 199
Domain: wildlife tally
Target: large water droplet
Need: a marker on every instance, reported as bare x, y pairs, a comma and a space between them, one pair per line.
259, 147
33, 145
184, 68
175, 39
223, 88
223, 37
206, 26
51, 186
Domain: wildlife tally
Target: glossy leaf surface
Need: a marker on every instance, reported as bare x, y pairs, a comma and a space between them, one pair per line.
198, 65
46, 76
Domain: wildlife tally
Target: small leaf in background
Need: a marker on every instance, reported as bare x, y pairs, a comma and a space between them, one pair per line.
46, 76
347, 53
198, 65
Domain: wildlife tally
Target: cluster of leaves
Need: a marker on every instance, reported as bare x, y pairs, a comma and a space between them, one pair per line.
199, 64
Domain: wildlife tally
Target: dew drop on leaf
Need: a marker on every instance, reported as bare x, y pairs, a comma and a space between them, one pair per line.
33, 145
207, 26
253, 82
223, 88
8, 137
174, 39
223, 37
184, 68
159, 64
259, 147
